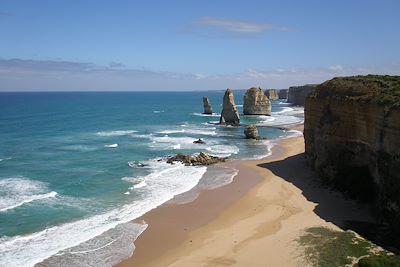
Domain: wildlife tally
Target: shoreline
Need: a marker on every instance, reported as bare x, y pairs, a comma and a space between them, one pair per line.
259, 213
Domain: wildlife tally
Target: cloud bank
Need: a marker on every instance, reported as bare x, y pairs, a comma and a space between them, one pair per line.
48, 75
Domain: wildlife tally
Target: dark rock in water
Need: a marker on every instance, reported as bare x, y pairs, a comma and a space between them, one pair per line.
136, 164
272, 94
207, 106
199, 141
283, 93
351, 132
297, 94
255, 102
251, 132
229, 114
201, 159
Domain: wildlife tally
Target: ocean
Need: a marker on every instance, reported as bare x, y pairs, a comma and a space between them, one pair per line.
70, 183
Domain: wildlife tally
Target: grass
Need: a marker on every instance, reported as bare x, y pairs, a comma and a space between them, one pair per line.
330, 248
380, 261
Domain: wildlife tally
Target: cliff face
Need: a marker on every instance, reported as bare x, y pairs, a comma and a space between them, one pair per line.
283, 93
229, 113
352, 138
272, 94
298, 94
207, 106
256, 103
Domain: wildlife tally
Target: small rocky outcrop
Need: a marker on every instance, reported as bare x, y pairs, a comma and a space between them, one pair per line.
272, 94
199, 141
283, 93
229, 113
201, 159
251, 132
297, 94
255, 102
351, 132
207, 106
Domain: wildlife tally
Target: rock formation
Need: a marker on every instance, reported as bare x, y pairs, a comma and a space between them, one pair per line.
207, 106
283, 93
297, 94
351, 131
199, 141
229, 113
201, 159
251, 132
272, 94
255, 102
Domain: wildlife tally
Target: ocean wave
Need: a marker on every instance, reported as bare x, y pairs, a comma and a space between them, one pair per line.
162, 185
116, 133
111, 146
206, 115
15, 192
4, 159
158, 111
223, 150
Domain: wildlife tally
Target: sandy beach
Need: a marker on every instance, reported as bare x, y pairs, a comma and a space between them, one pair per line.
254, 221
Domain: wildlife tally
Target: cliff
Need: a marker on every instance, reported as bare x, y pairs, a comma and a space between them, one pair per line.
298, 94
256, 103
283, 93
272, 94
229, 113
207, 106
351, 132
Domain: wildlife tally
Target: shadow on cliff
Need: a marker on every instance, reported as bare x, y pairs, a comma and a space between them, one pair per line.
332, 206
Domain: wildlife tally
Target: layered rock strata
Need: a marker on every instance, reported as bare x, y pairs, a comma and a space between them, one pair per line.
351, 132
229, 113
255, 102
298, 94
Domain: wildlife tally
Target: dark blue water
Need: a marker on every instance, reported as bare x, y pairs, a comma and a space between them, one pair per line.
64, 160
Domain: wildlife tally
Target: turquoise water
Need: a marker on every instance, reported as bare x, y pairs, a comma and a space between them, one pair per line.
67, 161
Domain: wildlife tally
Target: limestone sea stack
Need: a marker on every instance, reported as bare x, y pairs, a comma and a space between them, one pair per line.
229, 113
297, 94
351, 132
201, 159
283, 93
251, 132
207, 106
272, 94
255, 102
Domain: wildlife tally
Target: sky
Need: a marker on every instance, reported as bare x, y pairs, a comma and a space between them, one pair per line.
117, 45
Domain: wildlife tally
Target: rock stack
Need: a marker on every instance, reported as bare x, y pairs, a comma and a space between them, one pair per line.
251, 132
297, 94
283, 93
272, 94
229, 113
201, 159
207, 106
255, 102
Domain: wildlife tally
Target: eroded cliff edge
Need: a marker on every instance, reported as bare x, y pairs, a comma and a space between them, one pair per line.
352, 139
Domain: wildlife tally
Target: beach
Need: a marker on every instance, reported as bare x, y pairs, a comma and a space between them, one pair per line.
253, 221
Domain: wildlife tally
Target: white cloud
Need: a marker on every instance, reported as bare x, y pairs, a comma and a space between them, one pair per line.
236, 26
336, 68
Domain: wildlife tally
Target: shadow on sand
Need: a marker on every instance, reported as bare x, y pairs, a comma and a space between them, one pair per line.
333, 206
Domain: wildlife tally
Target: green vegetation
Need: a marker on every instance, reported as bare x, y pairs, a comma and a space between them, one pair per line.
379, 89
329, 248
380, 261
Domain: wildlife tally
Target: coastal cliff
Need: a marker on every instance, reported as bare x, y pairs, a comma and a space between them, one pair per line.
298, 94
229, 113
283, 93
351, 132
255, 102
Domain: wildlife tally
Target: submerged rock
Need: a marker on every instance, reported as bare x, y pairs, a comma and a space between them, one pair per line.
272, 94
251, 132
199, 141
255, 102
207, 106
229, 113
201, 159
283, 93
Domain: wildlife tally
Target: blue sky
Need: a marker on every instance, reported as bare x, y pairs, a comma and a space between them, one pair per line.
193, 45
